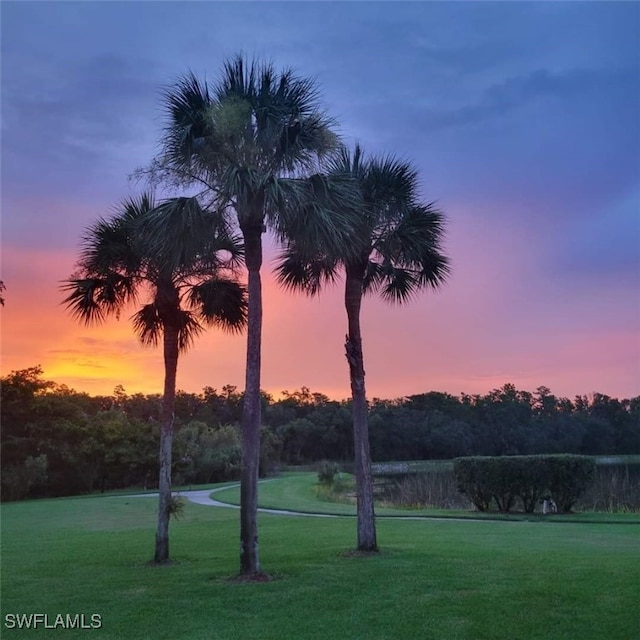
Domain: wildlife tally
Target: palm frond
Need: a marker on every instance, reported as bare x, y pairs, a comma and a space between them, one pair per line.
186, 105
220, 302
409, 256
297, 272
399, 285
108, 245
435, 269
133, 208
389, 187
151, 322
416, 241
147, 324
105, 246
179, 232
81, 301
286, 129
386, 228
343, 162
190, 329
92, 300
316, 213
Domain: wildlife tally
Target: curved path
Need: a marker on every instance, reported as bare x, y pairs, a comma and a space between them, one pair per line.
203, 497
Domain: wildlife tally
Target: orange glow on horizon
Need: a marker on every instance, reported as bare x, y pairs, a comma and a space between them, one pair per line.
449, 341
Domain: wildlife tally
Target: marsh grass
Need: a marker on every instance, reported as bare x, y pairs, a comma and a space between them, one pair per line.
432, 489
616, 489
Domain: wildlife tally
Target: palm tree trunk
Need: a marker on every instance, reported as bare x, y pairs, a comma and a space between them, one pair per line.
251, 413
170, 340
364, 480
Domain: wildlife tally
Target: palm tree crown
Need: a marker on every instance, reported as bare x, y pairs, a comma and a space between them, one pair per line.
396, 243
117, 265
254, 143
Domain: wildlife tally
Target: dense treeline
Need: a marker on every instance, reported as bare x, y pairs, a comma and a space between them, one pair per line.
56, 441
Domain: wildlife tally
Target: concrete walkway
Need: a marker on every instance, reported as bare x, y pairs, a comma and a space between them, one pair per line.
203, 497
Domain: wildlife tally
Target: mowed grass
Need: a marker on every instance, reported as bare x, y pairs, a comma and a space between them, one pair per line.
433, 579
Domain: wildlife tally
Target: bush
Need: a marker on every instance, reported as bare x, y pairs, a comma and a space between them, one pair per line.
327, 472
503, 479
530, 481
568, 478
472, 479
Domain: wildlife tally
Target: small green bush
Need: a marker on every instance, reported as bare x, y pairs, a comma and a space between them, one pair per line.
327, 472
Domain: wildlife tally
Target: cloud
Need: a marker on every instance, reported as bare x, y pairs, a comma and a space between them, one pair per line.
549, 91
604, 247
82, 125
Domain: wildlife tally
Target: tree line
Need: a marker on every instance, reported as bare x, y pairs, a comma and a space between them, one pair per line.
57, 441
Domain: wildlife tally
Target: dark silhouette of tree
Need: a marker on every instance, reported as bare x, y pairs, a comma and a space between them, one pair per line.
117, 265
395, 251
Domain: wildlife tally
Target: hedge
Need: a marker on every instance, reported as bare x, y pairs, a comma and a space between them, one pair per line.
505, 479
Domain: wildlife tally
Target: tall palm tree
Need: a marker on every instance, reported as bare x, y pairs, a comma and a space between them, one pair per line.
396, 251
117, 265
253, 142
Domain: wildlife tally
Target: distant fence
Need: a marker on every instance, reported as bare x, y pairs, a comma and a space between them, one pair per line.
617, 461
409, 467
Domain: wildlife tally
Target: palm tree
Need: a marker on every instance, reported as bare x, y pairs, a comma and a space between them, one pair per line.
253, 142
117, 265
396, 252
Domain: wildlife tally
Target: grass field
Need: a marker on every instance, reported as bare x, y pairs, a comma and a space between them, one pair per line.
433, 579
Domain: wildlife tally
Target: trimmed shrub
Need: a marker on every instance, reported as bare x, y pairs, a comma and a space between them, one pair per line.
530, 483
569, 476
503, 479
472, 479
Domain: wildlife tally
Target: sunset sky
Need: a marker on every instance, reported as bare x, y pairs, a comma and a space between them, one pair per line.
522, 118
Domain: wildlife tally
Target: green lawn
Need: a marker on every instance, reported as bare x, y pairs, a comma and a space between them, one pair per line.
434, 579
